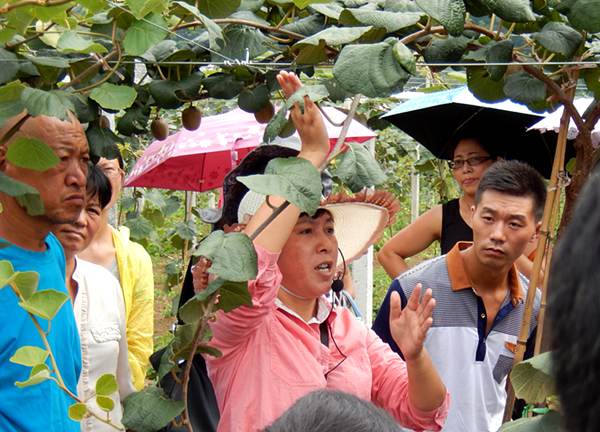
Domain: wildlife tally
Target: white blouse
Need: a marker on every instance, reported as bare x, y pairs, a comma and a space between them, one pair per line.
100, 314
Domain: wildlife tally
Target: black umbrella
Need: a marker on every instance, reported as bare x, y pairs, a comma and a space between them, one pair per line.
434, 119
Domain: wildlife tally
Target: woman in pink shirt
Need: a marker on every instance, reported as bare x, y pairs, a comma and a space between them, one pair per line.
291, 341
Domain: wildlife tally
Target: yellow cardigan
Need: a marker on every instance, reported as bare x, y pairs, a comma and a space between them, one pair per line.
137, 283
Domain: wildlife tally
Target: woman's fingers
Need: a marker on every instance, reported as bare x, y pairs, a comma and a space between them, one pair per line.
395, 306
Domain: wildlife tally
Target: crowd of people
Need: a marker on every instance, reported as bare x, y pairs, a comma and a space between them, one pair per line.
441, 346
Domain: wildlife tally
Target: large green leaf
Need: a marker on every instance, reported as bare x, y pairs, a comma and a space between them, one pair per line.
45, 304
307, 26
358, 168
53, 62
10, 100
294, 179
222, 86
254, 100
141, 8
483, 86
390, 21
446, 50
314, 92
532, 379
592, 80
240, 40
585, 15
149, 410
522, 87
218, 8
449, 13
498, 52
106, 385
55, 103
71, 42
102, 142
334, 36
518, 11
234, 295
113, 96
330, 10
29, 356
405, 57
233, 256
276, 124
10, 66
31, 153
549, 422
144, 33
371, 70
26, 282
215, 34
25, 195
560, 38
302, 4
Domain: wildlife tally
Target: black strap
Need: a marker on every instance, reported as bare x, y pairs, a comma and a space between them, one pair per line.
324, 333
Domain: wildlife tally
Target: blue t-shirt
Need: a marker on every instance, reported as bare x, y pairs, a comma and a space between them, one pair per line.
44, 406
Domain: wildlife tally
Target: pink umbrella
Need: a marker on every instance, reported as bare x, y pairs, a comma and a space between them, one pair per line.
199, 160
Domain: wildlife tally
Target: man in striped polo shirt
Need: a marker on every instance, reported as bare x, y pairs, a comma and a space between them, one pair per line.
479, 297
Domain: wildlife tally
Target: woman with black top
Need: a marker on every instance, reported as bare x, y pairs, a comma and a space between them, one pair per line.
450, 222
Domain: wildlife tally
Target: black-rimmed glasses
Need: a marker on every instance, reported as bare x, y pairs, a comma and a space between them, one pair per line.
472, 161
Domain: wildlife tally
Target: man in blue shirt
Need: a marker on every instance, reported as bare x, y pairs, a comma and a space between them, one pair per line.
44, 406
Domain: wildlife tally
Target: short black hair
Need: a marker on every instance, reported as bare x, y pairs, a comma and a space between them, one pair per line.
98, 185
327, 410
487, 142
574, 313
515, 178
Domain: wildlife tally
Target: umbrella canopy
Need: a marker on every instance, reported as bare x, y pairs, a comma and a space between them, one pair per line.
199, 160
434, 119
552, 122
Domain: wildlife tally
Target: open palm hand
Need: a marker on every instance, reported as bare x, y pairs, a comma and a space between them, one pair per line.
409, 325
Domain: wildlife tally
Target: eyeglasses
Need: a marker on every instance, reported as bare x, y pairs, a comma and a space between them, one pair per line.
472, 161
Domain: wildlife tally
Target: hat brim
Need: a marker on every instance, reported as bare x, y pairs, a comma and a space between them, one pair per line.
358, 225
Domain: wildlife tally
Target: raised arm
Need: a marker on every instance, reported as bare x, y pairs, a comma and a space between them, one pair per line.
410, 241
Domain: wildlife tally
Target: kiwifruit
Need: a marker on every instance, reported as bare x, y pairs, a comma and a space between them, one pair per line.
265, 114
104, 122
191, 118
160, 129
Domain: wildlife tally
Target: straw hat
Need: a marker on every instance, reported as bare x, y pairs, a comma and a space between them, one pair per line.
359, 219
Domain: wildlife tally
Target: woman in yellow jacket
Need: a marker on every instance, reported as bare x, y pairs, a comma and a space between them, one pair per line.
132, 266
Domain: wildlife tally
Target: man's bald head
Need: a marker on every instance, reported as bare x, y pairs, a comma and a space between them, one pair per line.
44, 128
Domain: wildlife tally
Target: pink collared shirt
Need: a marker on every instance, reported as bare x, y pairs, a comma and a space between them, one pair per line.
271, 358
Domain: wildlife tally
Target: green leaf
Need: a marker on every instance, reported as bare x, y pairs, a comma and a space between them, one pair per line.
25, 195
446, 50
105, 403
549, 422
307, 26
211, 351
106, 385
592, 80
218, 8
532, 379
186, 230
113, 96
498, 52
294, 179
53, 103
371, 69
215, 34
6, 273
330, 10
233, 256
483, 86
522, 87
222, 86
302, 4
141, 8
145, 33
335, 36
45, 304
238, 39
102, 142
77, 411
26, 282
31, 153
357, 168
10, 66
254, 100
234, 295
71, 42
29, 356
559, 38
314, 92
93, 6
139, 227
275, 125
54, 62
585, 15
149, 410
37, 376
449, 13
390, 21
405, 57
518, 11
10, 100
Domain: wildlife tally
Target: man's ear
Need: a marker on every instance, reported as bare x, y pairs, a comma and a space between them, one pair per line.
536, 235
